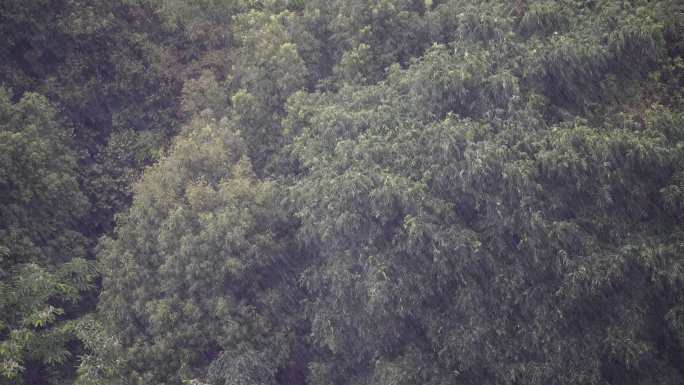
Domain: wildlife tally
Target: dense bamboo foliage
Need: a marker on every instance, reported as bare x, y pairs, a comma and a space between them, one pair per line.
372, 192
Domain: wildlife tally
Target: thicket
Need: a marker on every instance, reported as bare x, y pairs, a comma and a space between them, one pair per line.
385, 192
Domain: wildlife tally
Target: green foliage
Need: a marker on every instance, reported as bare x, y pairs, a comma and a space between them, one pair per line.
204, 245
267, 70
38, 169
100, 368
491, 253
116, 168
42, 274
334, 192
472, 181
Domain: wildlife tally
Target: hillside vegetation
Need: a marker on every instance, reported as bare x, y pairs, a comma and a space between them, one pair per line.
333, 192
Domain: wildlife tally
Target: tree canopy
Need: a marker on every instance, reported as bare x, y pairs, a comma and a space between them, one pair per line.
42, 270
377, 192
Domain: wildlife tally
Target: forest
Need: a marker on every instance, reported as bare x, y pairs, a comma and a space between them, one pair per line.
341, 192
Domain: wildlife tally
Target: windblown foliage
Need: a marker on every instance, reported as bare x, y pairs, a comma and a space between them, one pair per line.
339, 192
483, 193
42, 270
